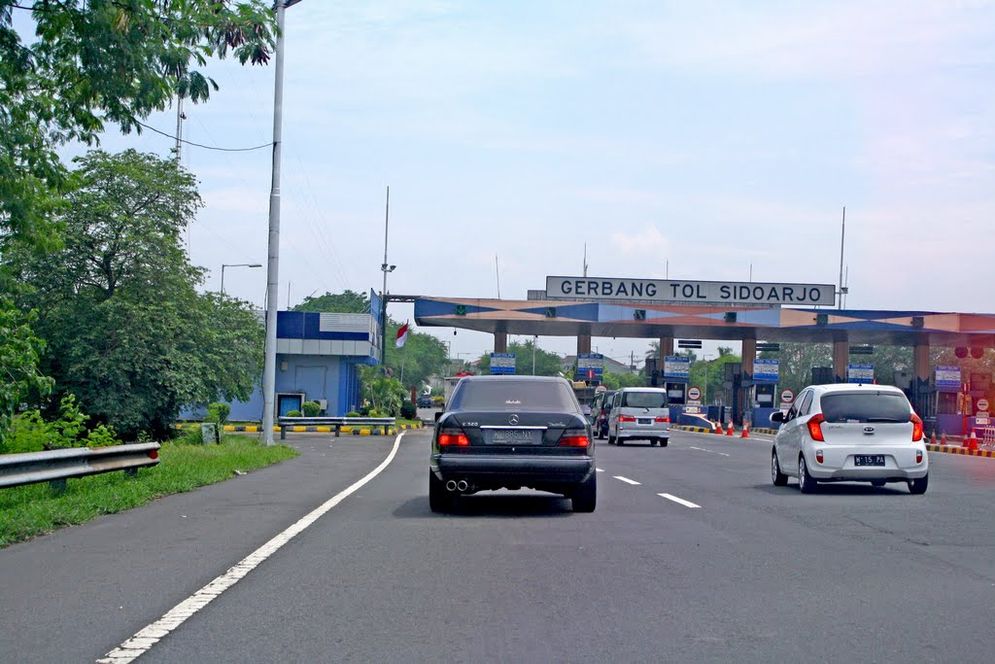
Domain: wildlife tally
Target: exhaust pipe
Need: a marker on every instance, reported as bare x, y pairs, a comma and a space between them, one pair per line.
462, 486
451, 485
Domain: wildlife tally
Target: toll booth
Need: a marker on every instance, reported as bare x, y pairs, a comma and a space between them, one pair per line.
676, 375
962, 406
763, 393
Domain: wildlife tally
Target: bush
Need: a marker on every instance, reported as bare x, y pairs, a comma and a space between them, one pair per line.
293, 413
311, 408
353, 413
408, 410
218, 412
375, 412
31, 433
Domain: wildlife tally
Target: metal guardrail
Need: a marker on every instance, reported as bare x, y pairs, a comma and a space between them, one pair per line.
337, 422
56, 466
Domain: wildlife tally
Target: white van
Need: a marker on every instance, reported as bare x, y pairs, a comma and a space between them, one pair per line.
639, 413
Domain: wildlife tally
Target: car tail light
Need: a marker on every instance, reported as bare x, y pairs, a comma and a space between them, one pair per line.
819, 457
626, 418
815, 428
661, 420
918, 456
574, 438
916, 428
453, 438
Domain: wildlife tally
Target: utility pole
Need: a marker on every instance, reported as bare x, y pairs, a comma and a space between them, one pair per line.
842, 240
179, 125
273, 257
385, 268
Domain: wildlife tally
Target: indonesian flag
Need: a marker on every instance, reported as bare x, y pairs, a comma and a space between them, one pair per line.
402, 336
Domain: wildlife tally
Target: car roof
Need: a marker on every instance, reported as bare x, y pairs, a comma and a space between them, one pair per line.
642, 389
853, 387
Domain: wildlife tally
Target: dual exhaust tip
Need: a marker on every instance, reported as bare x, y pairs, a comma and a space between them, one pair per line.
461, 486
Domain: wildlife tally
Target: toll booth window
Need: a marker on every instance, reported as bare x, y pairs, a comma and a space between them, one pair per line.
644, 400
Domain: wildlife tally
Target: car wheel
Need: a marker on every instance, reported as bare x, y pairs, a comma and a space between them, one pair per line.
439, 500
611, 439
619, 441
776, 476
918, 487
806, 482
585, 497
653, 442
664, 442
878, 483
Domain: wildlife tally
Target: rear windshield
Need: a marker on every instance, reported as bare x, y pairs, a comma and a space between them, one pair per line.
644, 399
866, 407
519, 395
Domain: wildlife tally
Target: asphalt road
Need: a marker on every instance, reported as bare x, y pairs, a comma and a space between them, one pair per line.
755, 573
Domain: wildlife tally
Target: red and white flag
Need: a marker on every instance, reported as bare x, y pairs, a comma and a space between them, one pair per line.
402, 336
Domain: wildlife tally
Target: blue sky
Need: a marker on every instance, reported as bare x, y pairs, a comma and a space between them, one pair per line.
711, 135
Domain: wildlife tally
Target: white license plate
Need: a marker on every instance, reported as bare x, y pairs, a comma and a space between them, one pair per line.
515, 437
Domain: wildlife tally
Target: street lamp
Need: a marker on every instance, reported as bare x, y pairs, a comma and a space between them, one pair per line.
224, 265
273, 243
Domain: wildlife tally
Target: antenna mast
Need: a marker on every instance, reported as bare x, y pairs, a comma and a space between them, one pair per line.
842, 240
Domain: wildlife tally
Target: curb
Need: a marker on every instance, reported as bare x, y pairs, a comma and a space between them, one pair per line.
355, 431
683, 427
949, 449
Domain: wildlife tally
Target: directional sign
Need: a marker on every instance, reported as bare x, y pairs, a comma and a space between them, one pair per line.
677, 367
948, 378
860, 373
766, 370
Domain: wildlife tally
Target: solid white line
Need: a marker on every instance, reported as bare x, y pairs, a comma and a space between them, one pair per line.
148, 636
626, 480
702, 449
679, 501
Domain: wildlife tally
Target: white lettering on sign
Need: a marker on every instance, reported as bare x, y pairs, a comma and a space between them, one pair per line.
982, 405
703, 292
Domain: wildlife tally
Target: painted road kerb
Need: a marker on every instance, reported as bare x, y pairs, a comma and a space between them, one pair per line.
147, 637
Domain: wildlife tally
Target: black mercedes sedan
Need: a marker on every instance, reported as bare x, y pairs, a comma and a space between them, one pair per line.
512, 432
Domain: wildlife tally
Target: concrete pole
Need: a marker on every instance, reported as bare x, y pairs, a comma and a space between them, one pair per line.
273, 260
841, 358
500, 342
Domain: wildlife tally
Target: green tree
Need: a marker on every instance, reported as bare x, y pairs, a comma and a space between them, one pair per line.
546, 363
384, 393
125, 329
89, 64
617, 381
346, 302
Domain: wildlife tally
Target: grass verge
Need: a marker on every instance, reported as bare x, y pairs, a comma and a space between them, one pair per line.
31, 510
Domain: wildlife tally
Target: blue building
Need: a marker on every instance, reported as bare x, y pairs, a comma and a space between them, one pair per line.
318, 356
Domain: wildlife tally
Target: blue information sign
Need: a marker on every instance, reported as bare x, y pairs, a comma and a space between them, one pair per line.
766, 370
677, 367
948, 378
590, 366
502, 363
860, 373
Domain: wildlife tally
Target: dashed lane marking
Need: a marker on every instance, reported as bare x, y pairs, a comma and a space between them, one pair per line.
702, 449
626, 480
145, 638
680, 501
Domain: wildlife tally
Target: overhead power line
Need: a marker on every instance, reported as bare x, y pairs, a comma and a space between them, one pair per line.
201, 145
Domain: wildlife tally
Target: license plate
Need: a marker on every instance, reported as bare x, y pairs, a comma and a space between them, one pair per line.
868, 460
645, 420
515, 437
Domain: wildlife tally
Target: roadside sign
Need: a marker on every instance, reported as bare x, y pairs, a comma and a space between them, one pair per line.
502, 363
694, 394
982, 419
787, 398
982, 405
766, 370
860, 373
677, 367
948, 378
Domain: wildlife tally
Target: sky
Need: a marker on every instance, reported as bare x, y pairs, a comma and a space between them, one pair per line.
704, 136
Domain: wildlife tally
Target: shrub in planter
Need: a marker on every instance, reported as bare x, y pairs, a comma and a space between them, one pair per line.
293, 413
408, 410
353, 413
311, 408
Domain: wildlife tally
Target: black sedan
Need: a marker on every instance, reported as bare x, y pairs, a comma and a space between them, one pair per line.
512, 432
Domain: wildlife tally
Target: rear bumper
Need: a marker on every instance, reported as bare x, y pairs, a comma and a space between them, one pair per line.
636, 432
839, 464
516, 470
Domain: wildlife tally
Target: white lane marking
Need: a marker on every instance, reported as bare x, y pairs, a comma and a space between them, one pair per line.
600, 470
679, 501
145, 638
702, 449
626, 480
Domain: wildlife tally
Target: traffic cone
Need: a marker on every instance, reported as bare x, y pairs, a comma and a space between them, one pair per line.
718, 428
943, 438
972, 442
729, 429
932, 438
746, 431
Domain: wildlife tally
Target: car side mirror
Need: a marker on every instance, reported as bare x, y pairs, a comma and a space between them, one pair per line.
438, 415
777, 417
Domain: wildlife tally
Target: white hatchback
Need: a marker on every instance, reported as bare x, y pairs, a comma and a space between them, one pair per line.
856, 433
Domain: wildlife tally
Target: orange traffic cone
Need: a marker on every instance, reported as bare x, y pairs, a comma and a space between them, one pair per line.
718, 428
943, 438
746, 431
972, 442
932, 438
729, 431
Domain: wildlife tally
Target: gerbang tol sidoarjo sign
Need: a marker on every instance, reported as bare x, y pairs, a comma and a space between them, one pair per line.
697, 292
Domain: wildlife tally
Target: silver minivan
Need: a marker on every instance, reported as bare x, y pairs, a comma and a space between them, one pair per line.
639, 413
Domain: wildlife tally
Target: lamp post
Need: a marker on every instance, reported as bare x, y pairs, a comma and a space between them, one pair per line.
273, 244
386, 269
225, 265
